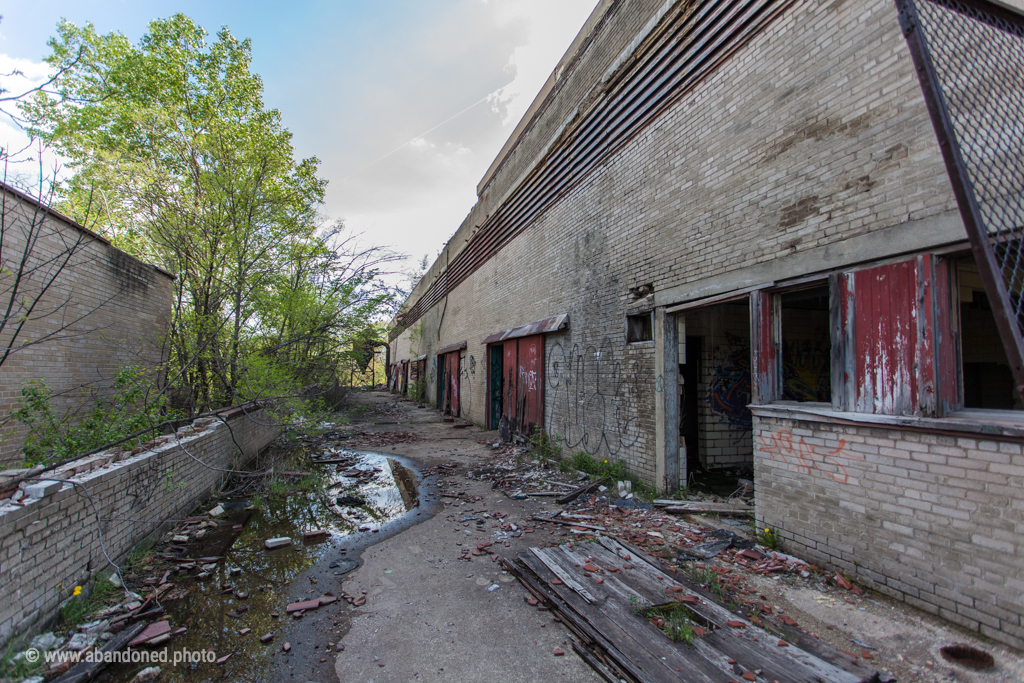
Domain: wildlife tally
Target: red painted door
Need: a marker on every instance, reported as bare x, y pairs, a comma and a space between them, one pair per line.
522, 402
530, 382
451, 369
509, 374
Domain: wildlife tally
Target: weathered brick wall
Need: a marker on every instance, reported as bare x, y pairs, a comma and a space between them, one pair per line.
54, 542
936, 521
808, 139
103, 311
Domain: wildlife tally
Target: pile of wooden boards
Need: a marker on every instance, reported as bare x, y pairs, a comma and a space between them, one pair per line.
603, 590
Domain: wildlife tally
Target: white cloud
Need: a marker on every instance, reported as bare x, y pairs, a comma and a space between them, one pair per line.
28, 163
425, 140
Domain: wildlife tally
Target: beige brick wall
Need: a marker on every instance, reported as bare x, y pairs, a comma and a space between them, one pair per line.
104, 310
812, 136
934, 520
52, 544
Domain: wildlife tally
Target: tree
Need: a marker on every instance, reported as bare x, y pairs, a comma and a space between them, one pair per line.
187, 168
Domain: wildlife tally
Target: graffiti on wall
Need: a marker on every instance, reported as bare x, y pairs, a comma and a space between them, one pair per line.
800, 456
595, 397
729, 389
807, 371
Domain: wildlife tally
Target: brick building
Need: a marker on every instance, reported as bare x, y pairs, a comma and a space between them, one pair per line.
724, 236
82, 309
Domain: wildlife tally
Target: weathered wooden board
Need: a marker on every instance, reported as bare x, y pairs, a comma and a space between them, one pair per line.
601, 608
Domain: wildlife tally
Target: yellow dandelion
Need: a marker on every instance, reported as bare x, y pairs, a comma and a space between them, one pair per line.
78, 590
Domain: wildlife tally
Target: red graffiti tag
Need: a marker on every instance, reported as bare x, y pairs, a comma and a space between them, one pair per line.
801, 456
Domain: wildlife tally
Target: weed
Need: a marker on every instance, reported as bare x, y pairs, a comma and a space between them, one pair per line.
584, 463
616, 470
258, 503
545, 448
768, 538
677, 626
169, 484
139, 555
639, 605
673, 620
309, 483
278, 488
418, 389
79, 606
708, 577
20, 669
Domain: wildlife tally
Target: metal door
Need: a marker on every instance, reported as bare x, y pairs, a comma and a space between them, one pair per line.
530, 382
494, 367
450, 383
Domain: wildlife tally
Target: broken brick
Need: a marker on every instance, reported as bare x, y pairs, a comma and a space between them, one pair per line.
302, 606
559, 652
735, 623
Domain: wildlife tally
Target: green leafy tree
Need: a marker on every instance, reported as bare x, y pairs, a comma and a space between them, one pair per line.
186, 167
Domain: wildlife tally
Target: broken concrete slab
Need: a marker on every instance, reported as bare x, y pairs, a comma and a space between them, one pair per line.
272, 543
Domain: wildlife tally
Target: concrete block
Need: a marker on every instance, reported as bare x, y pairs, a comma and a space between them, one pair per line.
42, 489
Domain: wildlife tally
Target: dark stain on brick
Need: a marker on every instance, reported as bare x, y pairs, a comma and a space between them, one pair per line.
131, 273
799, 211
861, 184
812, 129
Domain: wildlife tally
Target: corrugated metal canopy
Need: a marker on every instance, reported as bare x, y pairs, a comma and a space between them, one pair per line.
559, 322
452, 347
423, 357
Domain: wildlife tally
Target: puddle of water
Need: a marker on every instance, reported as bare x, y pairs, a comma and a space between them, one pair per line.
211, 612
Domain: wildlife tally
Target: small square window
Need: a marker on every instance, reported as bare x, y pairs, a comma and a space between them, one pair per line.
639, 328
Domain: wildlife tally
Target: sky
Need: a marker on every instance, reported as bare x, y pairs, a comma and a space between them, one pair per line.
405, 102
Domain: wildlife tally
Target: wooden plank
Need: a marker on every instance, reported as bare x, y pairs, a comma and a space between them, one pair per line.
563, 575
793, 663
568, 522
665, 502
567, 605
85, 671
696, 509
573, 495
637, 649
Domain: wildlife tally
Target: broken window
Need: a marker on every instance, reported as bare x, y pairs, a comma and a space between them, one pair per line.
639, 328
987, 378
806, 345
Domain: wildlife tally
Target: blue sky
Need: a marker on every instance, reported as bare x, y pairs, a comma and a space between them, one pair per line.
356, 81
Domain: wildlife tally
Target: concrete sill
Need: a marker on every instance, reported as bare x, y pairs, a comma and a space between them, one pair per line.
1005, 424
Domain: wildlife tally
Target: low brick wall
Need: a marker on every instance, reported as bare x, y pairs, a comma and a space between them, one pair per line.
51, 544
934, 520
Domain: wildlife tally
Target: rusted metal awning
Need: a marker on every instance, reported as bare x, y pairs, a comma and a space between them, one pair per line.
559, 322
451, 347
423, 357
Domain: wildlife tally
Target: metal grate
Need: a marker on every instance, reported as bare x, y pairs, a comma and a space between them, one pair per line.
970, 61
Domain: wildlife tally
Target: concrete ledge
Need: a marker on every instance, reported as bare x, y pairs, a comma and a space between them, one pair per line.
993, 424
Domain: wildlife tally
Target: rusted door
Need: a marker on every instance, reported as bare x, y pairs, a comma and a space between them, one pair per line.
450, 383
405, 377
510, 372
530, 382
523, 382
